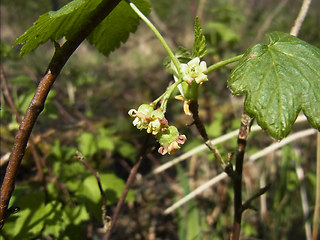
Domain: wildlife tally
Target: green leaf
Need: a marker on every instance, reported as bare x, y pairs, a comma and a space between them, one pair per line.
106, 141
68, 20
215, 128
115, 28
280, 80
111, 184
199, 45
127, 150
34, 215
221, 31
87, 144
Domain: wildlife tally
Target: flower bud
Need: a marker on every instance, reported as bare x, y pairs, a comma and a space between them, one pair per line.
141, 116
157, 122
170, 140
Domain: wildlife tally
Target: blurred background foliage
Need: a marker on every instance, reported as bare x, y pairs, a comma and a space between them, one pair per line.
87, 111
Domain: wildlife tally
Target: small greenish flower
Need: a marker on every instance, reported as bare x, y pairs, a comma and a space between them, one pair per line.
194, 70
170, 140
141, 116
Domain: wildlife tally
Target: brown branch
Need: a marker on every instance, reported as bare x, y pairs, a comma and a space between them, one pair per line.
130, 180
36, 105
237, 176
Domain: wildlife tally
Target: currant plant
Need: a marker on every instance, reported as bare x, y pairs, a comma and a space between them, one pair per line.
280, 78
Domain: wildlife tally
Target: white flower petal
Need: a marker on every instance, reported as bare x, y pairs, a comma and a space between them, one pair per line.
194, 62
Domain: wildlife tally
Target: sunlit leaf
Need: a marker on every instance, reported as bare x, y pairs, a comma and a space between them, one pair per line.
67, 21
280, 80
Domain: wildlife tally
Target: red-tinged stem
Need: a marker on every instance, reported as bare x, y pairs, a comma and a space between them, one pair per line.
237, 175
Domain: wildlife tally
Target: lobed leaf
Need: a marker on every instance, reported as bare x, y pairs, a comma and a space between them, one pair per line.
279, 80
67, 21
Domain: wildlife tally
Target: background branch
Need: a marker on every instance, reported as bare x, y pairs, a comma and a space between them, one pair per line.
301, 16
105, 217
130, 180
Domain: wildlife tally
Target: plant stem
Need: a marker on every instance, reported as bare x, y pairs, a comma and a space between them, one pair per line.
159, 36
168, 92
223, 63
36, 105
167, 95
237, 179
194, 109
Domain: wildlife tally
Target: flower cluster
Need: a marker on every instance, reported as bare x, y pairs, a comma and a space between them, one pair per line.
155, 123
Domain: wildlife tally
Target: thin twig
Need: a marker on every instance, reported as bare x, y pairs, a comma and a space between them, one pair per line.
130, 180
59, 59
7, 95
194, 109
316, 213
262, 191
301, 16
105, 218
252, 158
